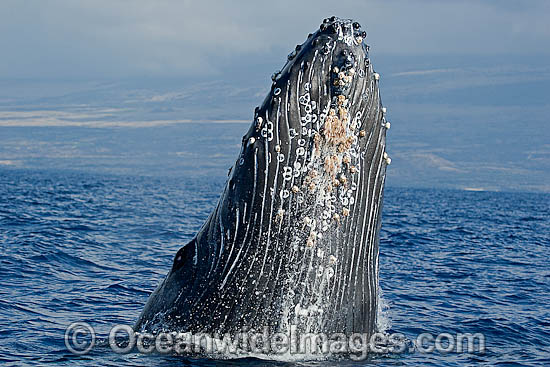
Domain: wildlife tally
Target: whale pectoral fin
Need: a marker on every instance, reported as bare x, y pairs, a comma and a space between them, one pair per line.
165, 297
185, 256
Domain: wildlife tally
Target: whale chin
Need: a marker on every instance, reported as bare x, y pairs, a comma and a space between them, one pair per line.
293, 241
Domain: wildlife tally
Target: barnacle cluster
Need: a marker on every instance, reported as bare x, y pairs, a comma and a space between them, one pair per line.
335, 145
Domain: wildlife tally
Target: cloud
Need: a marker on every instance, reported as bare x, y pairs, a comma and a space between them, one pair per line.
91, 118
86, 39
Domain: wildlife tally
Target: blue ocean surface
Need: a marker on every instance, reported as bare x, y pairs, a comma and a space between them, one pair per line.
87, 234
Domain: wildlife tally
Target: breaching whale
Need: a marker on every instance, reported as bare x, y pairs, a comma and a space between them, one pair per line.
294, 238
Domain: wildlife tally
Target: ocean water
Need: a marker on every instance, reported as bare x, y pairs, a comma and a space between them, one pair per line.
86, 244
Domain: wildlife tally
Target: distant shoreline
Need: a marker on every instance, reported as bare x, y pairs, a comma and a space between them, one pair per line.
101, 124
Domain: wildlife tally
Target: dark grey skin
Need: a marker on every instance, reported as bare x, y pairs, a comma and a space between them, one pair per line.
294, 237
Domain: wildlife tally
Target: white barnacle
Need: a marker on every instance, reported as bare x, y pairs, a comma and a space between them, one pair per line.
277, 91
376, 76
259, 122
320, 253
287, 173
332, 259
280, 215
252, 140
320, 270
348, 40
276, 75
319, 201
384, 110
292, 55
387, 125
387, 158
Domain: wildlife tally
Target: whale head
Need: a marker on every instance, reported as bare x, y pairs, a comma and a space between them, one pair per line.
293, 240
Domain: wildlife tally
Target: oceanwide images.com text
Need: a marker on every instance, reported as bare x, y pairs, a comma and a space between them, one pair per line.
80, 338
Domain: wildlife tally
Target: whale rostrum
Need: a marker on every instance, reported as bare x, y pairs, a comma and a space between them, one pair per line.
294, 238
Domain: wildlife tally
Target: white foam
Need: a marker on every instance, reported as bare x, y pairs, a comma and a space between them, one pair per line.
383, 314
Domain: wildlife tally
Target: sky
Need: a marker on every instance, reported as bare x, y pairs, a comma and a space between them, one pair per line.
106, 38
466, 83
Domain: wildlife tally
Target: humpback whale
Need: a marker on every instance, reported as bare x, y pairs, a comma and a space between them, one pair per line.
293, 240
